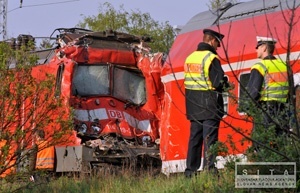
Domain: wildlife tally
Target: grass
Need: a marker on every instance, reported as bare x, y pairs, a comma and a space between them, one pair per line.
129, 182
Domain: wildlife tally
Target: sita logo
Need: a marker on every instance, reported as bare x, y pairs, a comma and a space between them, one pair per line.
265, 175
245, 172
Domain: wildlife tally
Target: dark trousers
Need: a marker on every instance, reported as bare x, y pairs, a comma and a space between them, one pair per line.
201, 132
275, 114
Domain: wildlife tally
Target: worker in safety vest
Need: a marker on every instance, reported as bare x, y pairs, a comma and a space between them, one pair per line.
46, 153
204, 82
269, 86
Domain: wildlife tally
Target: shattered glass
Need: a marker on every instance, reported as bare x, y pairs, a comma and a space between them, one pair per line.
129, 86
90, 80
93, 80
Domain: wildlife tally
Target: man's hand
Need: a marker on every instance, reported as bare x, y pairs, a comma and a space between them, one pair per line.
227, 85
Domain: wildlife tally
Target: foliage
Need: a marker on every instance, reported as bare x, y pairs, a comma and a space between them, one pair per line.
134, 22
271, 144
46, 43
145, 182
216, 4
27, 103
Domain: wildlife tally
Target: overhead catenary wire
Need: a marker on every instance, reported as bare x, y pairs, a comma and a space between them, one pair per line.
21, 5
41, 4
3, 20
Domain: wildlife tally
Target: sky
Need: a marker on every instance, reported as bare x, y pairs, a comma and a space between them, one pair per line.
40, 18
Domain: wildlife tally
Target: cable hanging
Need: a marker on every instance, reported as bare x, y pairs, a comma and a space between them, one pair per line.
43, 4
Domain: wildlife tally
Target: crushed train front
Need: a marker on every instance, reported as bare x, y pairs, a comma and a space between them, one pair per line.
111, 81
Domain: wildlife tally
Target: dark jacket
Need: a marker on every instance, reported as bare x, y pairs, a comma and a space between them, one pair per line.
202, 105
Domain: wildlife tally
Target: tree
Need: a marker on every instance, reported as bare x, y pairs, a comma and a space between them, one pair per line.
46, 43
27, 103
268, 145
216, 4
136, 23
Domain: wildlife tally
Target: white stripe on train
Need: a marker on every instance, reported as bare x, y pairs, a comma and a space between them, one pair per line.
101, 114
245, 65
177, 166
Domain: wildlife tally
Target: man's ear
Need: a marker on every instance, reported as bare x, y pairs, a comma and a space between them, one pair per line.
265, 47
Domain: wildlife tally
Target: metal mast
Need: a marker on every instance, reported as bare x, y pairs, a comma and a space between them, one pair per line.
3, 18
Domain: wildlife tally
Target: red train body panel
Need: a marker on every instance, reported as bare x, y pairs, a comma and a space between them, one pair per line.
132, 101
112, 83
240, 24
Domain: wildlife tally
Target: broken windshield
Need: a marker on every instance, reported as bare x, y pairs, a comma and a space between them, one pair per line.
129, 86
90, 80
94, 80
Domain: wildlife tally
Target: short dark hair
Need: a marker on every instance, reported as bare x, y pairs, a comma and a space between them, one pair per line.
216, 35
40, 133
207, 38
270, 48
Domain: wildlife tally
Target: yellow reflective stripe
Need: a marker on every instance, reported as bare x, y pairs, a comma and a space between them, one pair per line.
195, 87
278, 98
260, 67
284, 88
207, 62
190, 77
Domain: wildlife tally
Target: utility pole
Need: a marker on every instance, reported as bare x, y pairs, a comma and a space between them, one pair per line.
3, 19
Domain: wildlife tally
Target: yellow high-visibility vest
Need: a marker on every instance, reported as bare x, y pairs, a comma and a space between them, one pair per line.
196, 75
276, 85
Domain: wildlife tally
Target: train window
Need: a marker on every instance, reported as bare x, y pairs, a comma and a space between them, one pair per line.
90, 80
129, 86
244, 79
225, 99
59, 74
